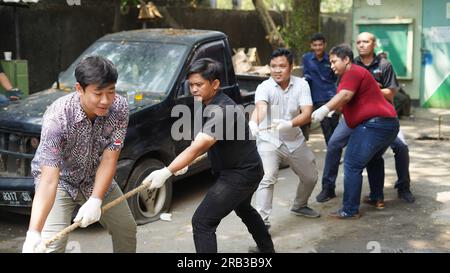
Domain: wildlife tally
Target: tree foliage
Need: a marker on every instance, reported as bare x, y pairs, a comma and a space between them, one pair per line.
301, 23
334, 6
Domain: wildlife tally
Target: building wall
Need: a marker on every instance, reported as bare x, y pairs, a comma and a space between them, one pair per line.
391, 9
436, 52
53, 34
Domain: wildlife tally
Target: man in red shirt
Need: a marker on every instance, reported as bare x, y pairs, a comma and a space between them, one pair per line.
375, 125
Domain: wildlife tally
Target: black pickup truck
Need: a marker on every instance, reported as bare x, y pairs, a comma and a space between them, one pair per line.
152, 68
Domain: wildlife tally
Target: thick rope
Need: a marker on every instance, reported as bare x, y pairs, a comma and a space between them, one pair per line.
65, 232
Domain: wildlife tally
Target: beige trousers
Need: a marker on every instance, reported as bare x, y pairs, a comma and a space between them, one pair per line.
301, 161
118, 221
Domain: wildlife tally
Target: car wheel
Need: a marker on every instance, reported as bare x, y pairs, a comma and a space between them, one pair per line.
147, 205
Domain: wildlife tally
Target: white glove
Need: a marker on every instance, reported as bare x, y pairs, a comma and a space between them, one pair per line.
330, 115
157, 178
318, 115
254, 128
89, 212
33, 242
182, 171
282, 124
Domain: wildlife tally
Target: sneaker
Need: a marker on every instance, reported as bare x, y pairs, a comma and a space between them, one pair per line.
406, 195
325, 195
378, 204
340, 214
305, 211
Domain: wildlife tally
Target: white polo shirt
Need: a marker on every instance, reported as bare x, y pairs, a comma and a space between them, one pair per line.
283, 104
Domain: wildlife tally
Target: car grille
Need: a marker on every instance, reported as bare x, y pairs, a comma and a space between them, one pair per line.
16, 152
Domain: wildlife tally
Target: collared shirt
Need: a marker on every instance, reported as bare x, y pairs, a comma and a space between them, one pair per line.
233, 151
367, 101
283, 104
381, 69
75, 144
320, 77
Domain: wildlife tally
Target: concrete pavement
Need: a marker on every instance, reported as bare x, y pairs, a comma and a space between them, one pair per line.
423, 226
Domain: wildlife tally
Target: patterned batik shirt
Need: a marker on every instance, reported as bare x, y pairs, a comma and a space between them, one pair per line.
75, 144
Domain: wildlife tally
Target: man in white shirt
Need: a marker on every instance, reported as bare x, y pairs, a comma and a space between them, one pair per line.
283, 104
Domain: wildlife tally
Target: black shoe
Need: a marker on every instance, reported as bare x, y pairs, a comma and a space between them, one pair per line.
325, 195
406, 195
255, 249
305, 211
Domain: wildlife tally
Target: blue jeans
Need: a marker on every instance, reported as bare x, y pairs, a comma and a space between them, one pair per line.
339, 140
335, 146
366, 146
3, 99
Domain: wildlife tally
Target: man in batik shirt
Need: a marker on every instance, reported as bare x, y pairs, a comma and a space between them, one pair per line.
81, 138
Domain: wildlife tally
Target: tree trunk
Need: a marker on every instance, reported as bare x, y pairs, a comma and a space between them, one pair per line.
302, 23
273, 35
116, 23
168, 19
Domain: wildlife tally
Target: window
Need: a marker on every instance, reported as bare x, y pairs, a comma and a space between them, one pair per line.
395, 37
215, 51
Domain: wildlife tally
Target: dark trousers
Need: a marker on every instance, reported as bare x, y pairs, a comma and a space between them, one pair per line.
233, 190
328, 124
401, 155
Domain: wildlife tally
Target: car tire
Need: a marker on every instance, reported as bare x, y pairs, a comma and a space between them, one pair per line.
146, 205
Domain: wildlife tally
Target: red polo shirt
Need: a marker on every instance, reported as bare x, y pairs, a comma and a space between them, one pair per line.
368, 101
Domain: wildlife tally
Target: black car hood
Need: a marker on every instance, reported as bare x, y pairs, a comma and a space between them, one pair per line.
26, 115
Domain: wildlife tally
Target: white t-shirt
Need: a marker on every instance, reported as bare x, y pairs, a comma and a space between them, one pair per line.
283, 104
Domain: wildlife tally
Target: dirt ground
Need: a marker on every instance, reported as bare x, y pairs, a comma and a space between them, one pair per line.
423, 226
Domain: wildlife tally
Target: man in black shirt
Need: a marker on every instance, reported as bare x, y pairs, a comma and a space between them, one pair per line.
234, 159
381, 69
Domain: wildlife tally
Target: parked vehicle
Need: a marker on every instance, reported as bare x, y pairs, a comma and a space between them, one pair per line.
152, 66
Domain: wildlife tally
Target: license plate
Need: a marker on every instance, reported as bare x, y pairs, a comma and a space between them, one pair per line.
15, 198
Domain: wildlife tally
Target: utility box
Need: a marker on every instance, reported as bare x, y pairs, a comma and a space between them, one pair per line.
17, 72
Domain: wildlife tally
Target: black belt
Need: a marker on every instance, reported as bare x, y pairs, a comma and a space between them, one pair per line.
376, 119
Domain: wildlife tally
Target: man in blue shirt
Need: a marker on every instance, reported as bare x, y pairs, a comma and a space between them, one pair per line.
322, 81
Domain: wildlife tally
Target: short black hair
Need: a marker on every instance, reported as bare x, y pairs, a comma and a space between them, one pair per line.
342, 51
318, 37
96, 70
208, 68
283, 52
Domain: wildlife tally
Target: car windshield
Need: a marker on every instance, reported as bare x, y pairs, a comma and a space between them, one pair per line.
142, 66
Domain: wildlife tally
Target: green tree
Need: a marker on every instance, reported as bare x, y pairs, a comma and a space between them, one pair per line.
301, 23
334, 6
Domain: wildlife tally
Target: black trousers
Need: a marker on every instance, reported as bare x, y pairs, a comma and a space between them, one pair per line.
328, 124
233, 190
